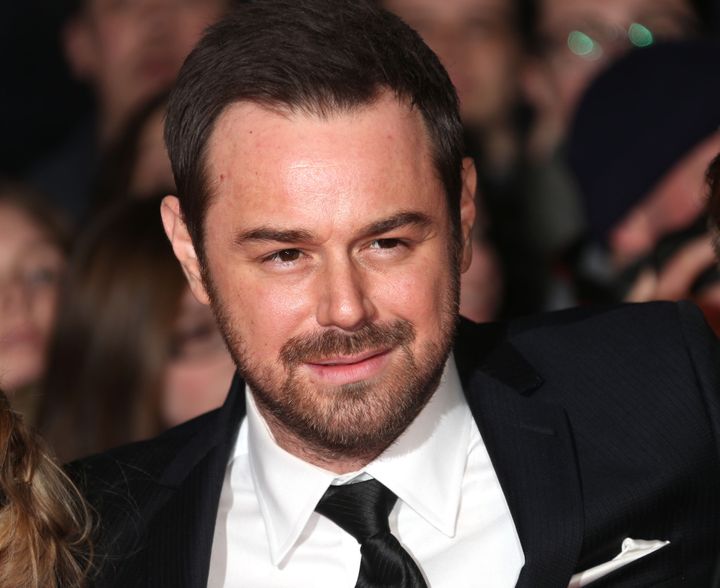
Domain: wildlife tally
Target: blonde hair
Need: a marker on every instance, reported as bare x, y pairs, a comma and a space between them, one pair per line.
45, 524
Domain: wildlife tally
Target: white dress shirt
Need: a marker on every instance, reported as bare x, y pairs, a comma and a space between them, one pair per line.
451, 514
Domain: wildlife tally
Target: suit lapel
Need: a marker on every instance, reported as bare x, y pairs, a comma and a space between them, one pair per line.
532, 451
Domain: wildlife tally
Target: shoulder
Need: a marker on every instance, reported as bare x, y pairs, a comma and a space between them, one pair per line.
646, 348
128, 486
638, 329
140, 460
124, 485
648, 324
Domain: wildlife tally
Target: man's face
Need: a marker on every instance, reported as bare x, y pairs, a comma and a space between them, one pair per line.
580, 37
332, 268
131, 49
477, 44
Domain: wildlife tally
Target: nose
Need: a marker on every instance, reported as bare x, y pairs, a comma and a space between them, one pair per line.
343, 300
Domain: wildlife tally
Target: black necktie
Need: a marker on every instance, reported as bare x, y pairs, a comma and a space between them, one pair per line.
362, 510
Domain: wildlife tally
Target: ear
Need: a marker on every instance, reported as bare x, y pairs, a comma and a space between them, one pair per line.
177, 232
467, 211
79, 47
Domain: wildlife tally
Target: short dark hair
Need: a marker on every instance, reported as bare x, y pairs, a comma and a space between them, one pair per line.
313, 56
713, 205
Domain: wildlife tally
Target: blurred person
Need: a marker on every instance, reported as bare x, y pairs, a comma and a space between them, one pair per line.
45, 524
639, 146
571, 42
131, 354
482, 286
480, 44
136, 164
34, 243
712, 178
127, 52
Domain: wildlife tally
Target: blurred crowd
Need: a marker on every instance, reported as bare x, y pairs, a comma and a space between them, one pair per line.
592, 124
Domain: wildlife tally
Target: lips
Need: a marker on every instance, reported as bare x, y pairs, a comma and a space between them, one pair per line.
341, 370
20, 337
348, 360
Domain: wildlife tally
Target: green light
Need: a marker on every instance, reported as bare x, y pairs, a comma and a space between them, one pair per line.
581, 44
639, 35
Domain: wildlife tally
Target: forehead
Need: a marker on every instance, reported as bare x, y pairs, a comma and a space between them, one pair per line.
447, 9
379, 149
20, 234
16, 225
610, 11
101, 8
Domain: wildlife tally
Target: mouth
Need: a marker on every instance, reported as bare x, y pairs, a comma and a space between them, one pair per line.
22, 337
346, 369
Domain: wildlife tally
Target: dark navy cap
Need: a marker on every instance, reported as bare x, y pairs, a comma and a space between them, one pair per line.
636, 120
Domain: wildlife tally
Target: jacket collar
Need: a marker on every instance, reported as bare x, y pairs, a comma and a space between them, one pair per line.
532, 450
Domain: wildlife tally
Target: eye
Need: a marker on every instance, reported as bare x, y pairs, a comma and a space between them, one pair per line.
41, 276
385, 243
284, 256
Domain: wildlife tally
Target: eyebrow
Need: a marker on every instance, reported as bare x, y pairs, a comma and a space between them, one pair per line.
402, 219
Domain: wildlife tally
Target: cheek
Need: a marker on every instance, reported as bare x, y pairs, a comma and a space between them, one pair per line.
194, 387
116, 41
43, 311
266, 312
417, 293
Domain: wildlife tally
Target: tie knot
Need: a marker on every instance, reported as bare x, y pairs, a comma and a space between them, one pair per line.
361, 509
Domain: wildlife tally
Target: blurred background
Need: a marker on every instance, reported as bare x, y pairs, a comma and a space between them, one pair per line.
592, 124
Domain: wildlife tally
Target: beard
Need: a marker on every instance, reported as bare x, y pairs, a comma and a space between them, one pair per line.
356, 420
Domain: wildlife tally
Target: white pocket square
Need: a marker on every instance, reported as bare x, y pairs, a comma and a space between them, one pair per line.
632, 549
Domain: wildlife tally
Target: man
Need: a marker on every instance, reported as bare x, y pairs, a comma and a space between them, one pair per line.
479, 43
572, 41
325, 212
645, 199
127, 52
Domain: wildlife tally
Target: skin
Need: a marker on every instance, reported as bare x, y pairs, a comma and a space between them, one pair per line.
128, 50
475, 41
200, 369
481, 285
555, 82
677, 200
674, 203
30, 267
152, 170
296, 250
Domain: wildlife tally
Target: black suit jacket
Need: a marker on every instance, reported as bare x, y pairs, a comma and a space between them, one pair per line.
601, 425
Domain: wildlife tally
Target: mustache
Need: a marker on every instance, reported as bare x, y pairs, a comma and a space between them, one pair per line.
315, 346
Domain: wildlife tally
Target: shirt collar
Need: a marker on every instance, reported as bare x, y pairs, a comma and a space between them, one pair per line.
424, 467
